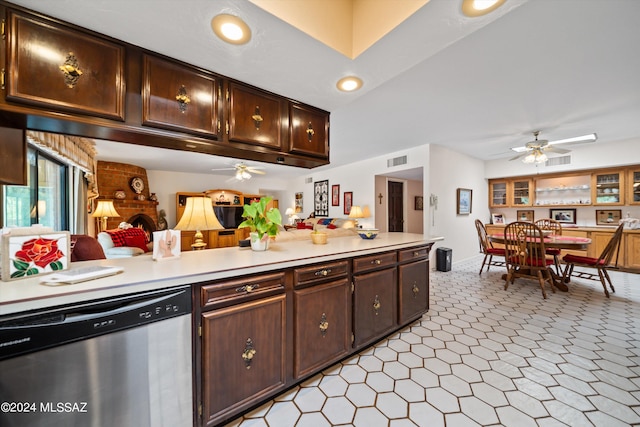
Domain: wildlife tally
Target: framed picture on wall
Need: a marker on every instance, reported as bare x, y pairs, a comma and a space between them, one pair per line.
348, 200
335, 195
567, 216
497, 219
608, 217
463, 198
299, 204
419, 203
321, 198
525, 215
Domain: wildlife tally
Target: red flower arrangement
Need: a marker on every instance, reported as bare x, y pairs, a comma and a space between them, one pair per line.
41, 252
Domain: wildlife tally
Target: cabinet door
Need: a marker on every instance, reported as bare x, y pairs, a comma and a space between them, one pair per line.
374, 304
521, 192
243, 356
54, 66
322, 325
632, 248
13, 156
309, 131
175, 96
498, 194
608, 188
633, 194
413, 292
255, 117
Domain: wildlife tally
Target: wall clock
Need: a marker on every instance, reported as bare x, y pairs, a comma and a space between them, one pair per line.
137, 184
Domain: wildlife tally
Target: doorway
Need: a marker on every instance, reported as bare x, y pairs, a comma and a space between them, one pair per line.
395, 192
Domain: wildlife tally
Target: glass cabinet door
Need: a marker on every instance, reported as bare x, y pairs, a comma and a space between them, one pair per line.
522, 193
498, 194
608, 188
634, 187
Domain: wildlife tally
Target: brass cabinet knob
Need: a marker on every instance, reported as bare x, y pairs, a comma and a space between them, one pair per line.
248, 353
324, 325
376, 304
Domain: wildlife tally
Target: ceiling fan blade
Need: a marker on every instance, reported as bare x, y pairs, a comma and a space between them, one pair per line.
252, 170
592, 137
520, 156
556, 150
224, 169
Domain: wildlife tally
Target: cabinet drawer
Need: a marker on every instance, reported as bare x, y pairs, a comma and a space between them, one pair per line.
413, 253
372, 262
177, 97
55, 66
236, 291
320, 273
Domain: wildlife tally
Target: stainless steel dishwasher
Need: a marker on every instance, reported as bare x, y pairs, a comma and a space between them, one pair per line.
123, 361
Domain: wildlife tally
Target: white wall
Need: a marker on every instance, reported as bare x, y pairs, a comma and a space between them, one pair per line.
448, 171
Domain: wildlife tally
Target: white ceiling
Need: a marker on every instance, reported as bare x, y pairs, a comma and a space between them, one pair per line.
475, 85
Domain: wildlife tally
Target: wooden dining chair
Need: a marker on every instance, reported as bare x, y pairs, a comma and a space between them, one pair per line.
486, 247
556, 227
525, 254
608, 259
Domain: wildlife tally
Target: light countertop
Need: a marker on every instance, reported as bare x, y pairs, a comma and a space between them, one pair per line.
141, 273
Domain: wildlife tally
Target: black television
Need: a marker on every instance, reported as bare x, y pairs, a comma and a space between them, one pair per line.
229, 216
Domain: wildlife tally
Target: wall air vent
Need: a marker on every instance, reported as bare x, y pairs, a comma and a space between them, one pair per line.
397, 161
557, 161
308, 180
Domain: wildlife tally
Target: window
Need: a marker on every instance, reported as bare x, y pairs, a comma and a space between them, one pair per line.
43, 200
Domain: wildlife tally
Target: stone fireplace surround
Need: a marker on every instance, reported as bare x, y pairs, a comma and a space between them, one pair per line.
113, 177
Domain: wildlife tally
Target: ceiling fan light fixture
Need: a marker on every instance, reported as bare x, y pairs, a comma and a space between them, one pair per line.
231, 29
475, 8
536, 156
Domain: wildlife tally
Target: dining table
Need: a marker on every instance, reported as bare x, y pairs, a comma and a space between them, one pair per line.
554, 241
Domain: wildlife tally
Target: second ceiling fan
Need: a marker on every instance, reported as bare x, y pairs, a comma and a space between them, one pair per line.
534, 151
242, 171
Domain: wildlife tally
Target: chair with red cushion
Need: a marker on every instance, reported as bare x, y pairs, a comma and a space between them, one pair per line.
556, 227
607, 259
525, 254
486, 247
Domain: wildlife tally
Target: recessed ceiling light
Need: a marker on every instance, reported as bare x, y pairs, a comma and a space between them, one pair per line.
231, 29
473, 8
349, 84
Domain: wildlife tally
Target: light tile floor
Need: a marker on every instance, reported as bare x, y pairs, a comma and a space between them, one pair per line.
483, 356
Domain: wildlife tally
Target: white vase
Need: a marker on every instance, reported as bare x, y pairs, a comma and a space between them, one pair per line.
258, 244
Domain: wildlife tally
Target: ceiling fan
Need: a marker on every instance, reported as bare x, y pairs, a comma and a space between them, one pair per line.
534, 151
242, 171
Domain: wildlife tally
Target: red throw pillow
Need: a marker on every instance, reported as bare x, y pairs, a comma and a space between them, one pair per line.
331, 226
136, 241
301, 226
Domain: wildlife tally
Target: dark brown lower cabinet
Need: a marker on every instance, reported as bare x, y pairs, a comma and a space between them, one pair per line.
413, 290
322, 325
243, 355
374, 305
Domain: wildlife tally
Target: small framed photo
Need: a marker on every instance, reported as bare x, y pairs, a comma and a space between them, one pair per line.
608, 217
525, 215
567, 216
335, 195
497, 219
419, 203
464, 201
348, 201
166, 244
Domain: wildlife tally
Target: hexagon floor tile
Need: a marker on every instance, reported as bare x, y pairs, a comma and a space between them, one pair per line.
486, 356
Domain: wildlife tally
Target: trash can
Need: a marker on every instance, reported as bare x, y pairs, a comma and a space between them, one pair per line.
443, 259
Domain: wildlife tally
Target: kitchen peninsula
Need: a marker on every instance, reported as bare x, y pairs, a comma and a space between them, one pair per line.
265, 321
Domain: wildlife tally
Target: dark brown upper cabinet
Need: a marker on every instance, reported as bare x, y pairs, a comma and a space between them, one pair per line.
309, 131
255, 117
13, 156
175, 96
51, 65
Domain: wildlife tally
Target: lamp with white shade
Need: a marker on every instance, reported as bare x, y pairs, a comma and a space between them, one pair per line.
198, 215
356, 213
292, 215
104, 210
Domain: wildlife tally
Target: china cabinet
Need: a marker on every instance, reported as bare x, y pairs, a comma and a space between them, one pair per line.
498, 194
633, 185
521, 192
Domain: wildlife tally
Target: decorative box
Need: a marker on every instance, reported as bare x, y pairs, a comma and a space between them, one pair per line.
166, 244
33, 251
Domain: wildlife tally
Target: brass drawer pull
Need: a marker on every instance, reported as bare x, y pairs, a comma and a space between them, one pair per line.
324, 325
248, 353
323, 272
416, 253
376, 262
376, 304
247, 288
415, 289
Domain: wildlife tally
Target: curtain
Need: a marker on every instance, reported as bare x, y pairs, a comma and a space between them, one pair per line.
78, 201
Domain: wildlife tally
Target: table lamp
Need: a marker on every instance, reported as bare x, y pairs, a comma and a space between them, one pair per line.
198, 215
355, 213
104, 210
291, 213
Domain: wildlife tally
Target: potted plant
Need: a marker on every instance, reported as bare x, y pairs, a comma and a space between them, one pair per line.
263, 223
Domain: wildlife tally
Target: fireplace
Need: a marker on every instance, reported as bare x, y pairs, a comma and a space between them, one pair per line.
145, 222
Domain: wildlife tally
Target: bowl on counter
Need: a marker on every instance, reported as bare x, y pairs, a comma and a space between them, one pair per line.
367, 233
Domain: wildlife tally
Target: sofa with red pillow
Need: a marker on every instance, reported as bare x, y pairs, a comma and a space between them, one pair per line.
124, 243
